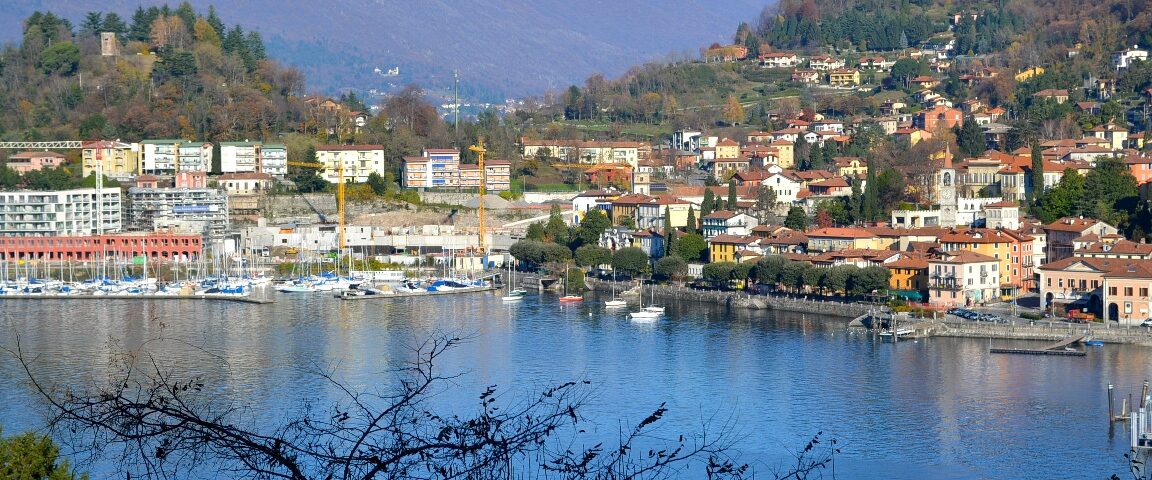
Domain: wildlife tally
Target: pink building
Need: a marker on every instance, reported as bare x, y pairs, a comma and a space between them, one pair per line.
24, 162
191, 180
962, 278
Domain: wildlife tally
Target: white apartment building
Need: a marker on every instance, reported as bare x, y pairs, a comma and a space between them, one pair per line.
159, 157
270, 158
359, 161
60, 213
190, 210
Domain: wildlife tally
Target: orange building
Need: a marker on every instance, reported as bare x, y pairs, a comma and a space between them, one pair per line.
1011, 248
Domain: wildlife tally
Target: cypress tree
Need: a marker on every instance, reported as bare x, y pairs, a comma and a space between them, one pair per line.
708, 204
691, 227
1037, 173
731, 194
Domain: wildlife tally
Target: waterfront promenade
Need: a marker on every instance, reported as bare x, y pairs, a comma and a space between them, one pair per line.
943, 326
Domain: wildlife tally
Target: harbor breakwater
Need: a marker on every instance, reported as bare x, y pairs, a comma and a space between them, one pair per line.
737, 299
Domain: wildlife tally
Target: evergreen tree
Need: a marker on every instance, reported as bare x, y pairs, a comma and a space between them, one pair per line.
255, 46
708, 205
691, 227
113, 23
186, 14
796, 219
91, 26
1037, 174
731, 194
970, 138
555, 230
871, 204
669, 233
141, 28
233, 41
215, 21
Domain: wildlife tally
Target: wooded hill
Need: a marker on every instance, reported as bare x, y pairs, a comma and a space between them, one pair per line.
179, 74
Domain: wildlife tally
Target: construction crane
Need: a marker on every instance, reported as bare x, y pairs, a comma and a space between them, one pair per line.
480, 151
339, 194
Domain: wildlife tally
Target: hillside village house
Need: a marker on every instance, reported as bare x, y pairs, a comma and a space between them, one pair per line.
805, 75
938, 117
118, 160
728, 222
1058, 96
1123, 59
727, 248
850, 166
779, 60
1063, 232
875, 64
911, 136
1012, 250
844, 77
25, 162
650, 213
825, 63
165, 157
270, 158
908, 274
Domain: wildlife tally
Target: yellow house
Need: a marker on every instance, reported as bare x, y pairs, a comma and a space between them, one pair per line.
117, 159
844, 77
785, 153
908, 274
834, 239
626, 206
727, 148
850, 166
723, 247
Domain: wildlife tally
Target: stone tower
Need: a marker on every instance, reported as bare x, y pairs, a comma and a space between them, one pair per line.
946, 189
109, 46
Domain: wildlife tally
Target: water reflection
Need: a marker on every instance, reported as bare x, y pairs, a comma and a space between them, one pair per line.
937, 407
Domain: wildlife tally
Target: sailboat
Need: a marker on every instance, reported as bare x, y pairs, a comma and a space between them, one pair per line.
643, 314
652, 307
568, 297
513, 295
615, 302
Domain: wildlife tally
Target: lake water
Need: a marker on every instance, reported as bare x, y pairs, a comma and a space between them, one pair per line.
939, 407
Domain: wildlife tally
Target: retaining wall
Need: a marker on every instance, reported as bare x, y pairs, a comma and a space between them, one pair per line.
738, 299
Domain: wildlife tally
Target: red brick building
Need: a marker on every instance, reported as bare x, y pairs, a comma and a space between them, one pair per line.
159, 246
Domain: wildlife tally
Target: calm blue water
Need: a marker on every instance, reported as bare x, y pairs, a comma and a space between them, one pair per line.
940, 408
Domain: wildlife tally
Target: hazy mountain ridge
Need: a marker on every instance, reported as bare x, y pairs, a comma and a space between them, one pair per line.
511, 47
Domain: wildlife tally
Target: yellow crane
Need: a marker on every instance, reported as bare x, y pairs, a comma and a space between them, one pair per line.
480, 151
339, 194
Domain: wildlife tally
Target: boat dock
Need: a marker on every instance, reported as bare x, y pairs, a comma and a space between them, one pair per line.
1060, 348
385, 296
226, 298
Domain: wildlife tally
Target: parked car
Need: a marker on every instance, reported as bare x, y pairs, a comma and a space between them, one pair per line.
1146, 323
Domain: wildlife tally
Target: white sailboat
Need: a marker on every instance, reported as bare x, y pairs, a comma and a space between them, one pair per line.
643, 314
615, 302
513, 295
569, 297
652, 307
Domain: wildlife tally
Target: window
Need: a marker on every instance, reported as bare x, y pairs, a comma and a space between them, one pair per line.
1143, 293
1049, 281
1061, 283
1112, 290
1127, 291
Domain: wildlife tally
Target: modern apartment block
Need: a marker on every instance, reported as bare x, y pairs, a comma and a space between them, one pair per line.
183, 210
166, 157
270, 158
359, 161
60, 213
441, 168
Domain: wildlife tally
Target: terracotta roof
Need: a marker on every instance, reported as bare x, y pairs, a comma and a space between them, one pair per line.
722, 214
1121, 247
963, 256
830, 183
1071, 224
733, 239
632, 199
908, 262
839, 232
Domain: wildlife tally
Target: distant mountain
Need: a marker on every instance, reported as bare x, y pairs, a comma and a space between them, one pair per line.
500, 47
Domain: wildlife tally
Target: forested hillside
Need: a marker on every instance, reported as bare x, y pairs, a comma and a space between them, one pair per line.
180, 73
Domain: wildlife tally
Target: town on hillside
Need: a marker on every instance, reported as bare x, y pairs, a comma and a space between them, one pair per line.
926, 168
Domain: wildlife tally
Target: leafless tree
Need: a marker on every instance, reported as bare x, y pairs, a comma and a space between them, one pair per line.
164, 424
